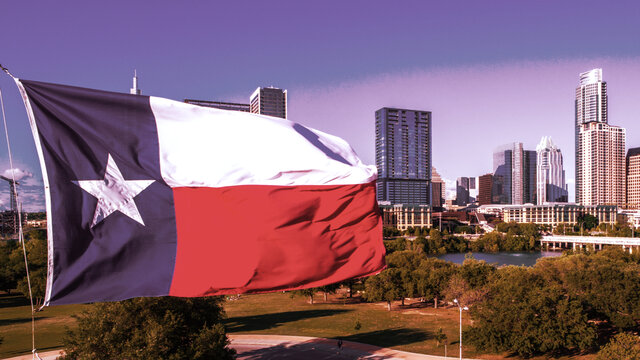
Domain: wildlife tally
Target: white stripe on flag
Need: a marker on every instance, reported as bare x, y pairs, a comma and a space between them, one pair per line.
205, 147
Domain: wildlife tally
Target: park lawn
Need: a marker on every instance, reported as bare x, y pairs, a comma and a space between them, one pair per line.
15, 325
407, 328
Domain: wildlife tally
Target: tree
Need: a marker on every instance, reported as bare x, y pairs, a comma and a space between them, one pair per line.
407, 262
525, 315
329, 289
386, 286
150, 328
388, 231
36, 247
432, 277
398, 244
623, 346
8, 274
587, 221
309, 293
441, 338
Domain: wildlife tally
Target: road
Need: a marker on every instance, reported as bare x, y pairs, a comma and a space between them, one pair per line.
270, 347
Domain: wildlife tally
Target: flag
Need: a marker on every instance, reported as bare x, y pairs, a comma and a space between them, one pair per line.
147, 196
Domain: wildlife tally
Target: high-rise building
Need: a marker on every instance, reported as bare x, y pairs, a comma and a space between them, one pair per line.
135, 90
551, 185
485, 184
403, 156
462, 191
517, 174
513, 175
437, 188
590, 106
219, 105
502, 174
600, 160
269, 101
601, 170
633, 178
529, 161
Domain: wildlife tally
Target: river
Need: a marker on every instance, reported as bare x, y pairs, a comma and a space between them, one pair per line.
503, 258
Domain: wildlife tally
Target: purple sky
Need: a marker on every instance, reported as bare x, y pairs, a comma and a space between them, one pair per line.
491, 72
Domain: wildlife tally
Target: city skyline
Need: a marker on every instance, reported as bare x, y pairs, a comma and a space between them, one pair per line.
489, 73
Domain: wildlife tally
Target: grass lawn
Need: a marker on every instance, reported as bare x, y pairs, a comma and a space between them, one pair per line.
409, 328
15, 325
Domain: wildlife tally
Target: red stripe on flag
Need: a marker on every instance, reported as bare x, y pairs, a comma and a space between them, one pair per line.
256, 238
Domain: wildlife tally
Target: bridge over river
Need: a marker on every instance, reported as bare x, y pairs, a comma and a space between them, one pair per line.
578, 242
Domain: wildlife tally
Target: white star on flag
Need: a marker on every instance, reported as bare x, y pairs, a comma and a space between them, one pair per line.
114, 193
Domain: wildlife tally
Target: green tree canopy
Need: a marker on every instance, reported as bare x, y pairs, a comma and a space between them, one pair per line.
150, 328
386, 286
623, 346
524, 316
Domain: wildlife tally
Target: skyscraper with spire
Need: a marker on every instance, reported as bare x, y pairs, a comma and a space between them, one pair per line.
551, 184
135, 90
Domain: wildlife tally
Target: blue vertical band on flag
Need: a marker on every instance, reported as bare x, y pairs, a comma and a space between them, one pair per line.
116, 257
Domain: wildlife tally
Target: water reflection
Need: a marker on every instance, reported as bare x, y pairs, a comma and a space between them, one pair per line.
503, 258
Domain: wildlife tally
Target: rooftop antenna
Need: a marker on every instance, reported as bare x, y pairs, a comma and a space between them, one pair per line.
135, 90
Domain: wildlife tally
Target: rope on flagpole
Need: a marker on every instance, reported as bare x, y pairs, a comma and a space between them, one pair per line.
20, 231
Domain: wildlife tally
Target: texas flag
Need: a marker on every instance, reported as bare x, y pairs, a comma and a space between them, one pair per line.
151, 197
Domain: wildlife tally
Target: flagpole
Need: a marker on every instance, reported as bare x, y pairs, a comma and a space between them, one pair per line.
20, 230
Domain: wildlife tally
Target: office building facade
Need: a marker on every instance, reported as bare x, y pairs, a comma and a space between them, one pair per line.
269, 101
591, 107
601, 167
438, 189
633, 178
514, 175
502, 174
402, 216
551, 185
403, 156
485, 184
555, 214
462, 191
529, 179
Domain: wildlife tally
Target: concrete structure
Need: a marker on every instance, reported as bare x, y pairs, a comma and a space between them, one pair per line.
485, 183
403, 156
633, 178
554, 214
438, 189
269, 101
403, 216
597, 242
551, 185
135, 90
601, 170
219, 105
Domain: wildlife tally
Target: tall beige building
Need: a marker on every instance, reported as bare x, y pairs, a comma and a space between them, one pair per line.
601, 170
633, 178
600, 147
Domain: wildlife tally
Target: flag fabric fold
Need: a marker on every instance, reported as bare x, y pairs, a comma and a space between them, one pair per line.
152, 197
